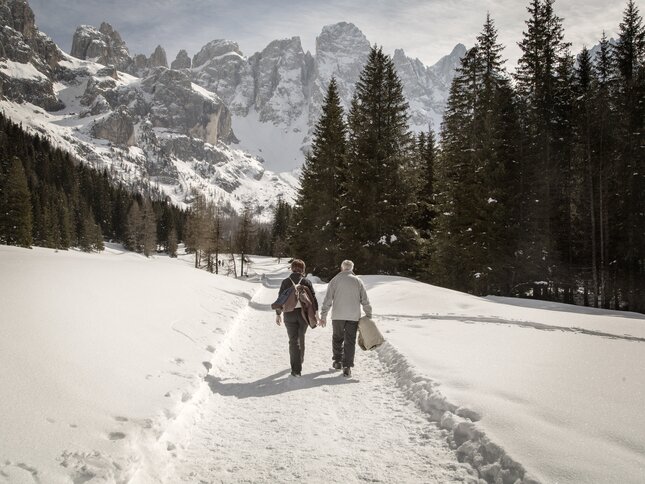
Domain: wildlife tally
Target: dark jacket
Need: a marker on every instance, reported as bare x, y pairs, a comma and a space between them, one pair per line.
289, 282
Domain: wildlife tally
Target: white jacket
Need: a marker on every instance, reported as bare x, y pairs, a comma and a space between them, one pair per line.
345, 295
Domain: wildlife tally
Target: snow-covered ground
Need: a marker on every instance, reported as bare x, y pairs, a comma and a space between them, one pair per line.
117, 368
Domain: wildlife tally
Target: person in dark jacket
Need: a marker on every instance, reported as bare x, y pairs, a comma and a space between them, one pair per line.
295, 321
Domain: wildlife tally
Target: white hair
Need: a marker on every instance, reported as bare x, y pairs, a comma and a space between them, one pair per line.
347, 265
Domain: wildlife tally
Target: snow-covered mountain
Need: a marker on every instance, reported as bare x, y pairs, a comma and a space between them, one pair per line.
213, 124
275, 95
158, 130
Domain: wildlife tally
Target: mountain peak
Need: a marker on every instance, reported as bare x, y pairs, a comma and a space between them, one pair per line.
344, 39
215, 48
158, 58
104, 44
340, 28
458, 51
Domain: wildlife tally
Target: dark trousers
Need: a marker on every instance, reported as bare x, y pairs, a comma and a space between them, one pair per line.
296, 329
343, 341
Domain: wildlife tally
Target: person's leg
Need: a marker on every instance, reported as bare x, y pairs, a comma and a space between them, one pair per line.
302, 329
337, 339
292, 324
349, 346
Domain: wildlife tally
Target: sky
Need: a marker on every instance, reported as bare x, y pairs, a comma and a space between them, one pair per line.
427, 29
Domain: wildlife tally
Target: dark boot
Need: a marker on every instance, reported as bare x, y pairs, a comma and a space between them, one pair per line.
347, 372
337, 365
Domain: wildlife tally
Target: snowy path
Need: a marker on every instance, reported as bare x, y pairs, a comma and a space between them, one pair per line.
262, 425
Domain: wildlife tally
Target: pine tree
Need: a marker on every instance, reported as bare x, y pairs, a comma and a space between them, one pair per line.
374, 195
474, 237
536, 79
244, 236
213, 237
173, 241
281, 230
564, 180
198, 229
134, 236
148, 229
603, 145
16, 225
314, 235
423, 175
629, 243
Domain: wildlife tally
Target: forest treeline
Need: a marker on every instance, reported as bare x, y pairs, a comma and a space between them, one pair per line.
536, 186
49, 200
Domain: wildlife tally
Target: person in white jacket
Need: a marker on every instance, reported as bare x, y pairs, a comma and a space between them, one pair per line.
345, 295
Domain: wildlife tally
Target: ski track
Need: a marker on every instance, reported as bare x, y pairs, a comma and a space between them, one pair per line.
259, 424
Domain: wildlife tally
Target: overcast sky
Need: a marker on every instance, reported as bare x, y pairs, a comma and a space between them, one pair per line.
427, 29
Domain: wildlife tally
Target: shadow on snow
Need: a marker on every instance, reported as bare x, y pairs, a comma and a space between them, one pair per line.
275, 384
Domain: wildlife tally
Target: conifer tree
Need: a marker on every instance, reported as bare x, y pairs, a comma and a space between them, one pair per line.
603, 145
134, 238
475, 225
244, 236
281, 230
173, 241
198, 229
629, 243
536, 79
314, 234
16, 227
213, 236
374, 197
427, 156
148, 229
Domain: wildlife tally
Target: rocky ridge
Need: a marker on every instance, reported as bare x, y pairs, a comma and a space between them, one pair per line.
275, 95
175, 127
157, 131
280, 89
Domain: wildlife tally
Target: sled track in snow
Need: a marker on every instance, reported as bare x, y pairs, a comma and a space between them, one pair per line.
512, 322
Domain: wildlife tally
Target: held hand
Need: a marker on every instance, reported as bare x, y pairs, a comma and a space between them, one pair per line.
322, 322
278, 319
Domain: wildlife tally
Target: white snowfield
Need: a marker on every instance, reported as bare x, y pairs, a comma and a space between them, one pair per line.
117, 368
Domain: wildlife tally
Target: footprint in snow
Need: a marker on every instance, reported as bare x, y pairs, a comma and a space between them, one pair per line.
121, 419
116, 436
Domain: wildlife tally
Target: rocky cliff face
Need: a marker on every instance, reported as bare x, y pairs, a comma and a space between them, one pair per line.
28, 59
158, 58
158, 130
182, 61
103, 45
278, 92
174, 126
276, 95
280, 76
220, 67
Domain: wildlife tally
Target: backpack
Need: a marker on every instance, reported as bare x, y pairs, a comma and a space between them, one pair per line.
301, 295
299, 289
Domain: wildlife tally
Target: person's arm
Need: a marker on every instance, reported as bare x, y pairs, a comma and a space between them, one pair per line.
329, 297
310, 285
365, 301
278, 311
